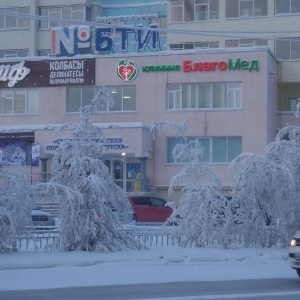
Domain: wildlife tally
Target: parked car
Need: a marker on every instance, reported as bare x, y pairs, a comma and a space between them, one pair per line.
40, 217
124, 218
149, 209
294, 252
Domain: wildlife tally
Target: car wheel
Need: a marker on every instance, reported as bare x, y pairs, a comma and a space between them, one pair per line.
298, 272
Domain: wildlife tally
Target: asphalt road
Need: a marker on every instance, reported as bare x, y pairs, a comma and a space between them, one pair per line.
275, 289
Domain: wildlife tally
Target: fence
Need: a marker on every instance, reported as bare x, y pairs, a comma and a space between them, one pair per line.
149, 236
39, 239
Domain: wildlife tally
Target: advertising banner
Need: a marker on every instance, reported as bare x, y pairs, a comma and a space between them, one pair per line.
47, 73
14, 153
35, 155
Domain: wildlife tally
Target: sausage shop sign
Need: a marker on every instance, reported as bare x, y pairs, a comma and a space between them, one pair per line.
46, 73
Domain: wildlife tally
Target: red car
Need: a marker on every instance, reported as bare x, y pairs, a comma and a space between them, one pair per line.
149, 209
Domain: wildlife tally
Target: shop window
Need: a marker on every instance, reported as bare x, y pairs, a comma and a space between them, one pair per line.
19, 101
124, 98
8, 22
225, 149
194, 10
216, 149
72, 12
288, 48
287, 7
204, 96
246, 8
19, 153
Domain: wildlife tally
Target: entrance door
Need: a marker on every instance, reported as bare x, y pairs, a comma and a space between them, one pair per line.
116, 169
125, 173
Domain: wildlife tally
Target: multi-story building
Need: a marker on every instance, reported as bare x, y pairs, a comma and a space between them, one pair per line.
244, 23
25, 36
234, 98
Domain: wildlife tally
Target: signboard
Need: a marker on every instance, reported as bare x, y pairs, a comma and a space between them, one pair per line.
110, 143
126, 71
189, 66
17, 136
46, 73
74, 40
35, 155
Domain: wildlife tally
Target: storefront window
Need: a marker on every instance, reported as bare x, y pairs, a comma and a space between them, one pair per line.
217, 149
19, 153
19, 101
124, 98
6, 105
204, 96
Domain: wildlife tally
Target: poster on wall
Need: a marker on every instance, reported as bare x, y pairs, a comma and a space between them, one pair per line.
14, 153
35, 155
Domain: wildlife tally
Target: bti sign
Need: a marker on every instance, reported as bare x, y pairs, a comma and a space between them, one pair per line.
73, 40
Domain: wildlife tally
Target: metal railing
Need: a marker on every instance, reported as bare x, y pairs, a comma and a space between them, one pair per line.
46, 238
40, 238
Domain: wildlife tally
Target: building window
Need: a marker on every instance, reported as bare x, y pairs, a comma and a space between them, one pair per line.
44, 52
287, 7
196, 45
204, 96
13, 53
124, 98
194, 10
246, 8
216, 149
8, 22
245, 43
292, 104
288, 48
72, 12
19, 101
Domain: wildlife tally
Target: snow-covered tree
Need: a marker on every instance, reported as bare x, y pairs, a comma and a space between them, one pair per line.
266, 192
89, 199
201, 212
15, 208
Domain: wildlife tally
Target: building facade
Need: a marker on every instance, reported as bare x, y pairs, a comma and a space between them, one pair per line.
235, 94
224, 96
238, 24
31, 36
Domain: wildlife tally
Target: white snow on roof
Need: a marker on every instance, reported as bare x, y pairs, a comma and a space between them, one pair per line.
33, 127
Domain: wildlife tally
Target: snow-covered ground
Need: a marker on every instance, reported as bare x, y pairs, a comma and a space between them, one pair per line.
27, 269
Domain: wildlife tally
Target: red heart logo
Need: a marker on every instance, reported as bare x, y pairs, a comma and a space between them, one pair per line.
126, 71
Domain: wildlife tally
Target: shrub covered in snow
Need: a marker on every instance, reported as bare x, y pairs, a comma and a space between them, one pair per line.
266, 192
15, 208
201, 212
86, 191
